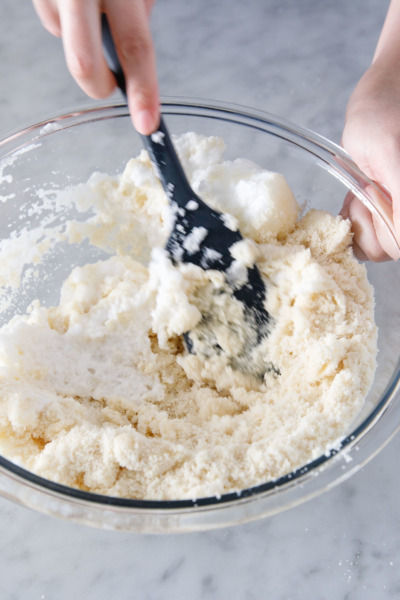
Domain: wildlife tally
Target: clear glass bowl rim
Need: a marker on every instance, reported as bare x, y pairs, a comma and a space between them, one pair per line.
334, 159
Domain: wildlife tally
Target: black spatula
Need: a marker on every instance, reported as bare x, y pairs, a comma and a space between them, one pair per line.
200, 236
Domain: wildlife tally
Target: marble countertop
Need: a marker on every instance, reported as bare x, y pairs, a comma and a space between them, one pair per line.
299, 59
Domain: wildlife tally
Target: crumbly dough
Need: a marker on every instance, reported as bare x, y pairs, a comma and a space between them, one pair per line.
99, 393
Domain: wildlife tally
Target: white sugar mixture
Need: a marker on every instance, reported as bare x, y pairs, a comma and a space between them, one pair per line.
99, 393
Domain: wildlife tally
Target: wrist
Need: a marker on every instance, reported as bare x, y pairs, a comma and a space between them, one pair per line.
378, 89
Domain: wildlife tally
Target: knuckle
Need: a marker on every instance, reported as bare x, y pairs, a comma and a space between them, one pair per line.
134, 46
142, 97
81, 66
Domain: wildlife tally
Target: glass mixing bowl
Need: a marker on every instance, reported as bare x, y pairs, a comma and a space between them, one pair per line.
66, 150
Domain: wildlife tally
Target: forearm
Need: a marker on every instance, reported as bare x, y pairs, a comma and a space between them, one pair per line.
388, 47
379, 89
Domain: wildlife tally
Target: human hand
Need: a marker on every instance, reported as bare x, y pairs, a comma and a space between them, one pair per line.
372, 138
78, 23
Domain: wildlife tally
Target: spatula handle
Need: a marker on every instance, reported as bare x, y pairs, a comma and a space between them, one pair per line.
111, 55
168, 167
158, 144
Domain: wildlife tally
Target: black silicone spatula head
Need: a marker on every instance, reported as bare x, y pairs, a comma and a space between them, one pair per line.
233, 311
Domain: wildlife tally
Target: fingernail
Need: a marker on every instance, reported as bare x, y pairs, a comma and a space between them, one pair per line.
144, 122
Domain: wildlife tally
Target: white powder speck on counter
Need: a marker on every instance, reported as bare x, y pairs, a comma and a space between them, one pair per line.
98, 391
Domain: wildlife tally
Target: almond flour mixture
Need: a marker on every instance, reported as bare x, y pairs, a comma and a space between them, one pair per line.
99, 393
